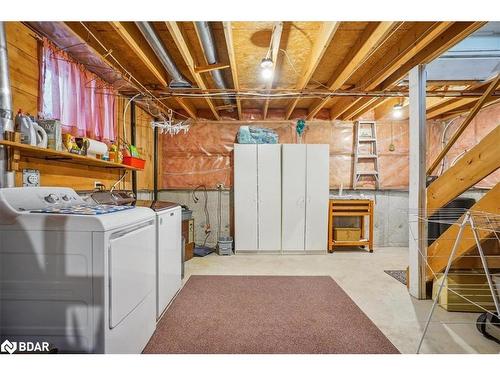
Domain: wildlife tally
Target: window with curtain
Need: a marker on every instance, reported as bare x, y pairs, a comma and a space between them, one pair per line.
83, 102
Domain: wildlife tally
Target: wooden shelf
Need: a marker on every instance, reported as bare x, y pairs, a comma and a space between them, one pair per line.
350, 208
361, 242
48, 154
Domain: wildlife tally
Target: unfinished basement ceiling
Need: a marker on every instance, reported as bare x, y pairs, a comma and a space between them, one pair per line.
311, 57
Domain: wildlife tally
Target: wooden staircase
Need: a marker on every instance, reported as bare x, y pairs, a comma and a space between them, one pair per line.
482, 160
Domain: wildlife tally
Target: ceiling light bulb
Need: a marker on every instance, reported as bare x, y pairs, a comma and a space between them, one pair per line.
267, 73
266, 63
397, 110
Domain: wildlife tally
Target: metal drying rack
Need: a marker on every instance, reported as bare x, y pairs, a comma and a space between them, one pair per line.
477, 221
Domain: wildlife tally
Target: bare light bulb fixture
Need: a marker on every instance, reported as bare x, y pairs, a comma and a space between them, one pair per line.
397, 110
267, 73
267, 68
266, 62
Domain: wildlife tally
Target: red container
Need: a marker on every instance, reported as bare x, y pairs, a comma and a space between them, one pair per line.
134, 162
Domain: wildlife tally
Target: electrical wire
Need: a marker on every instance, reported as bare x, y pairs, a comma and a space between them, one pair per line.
297, 72
443, 143
219, 211
205, 209
118, 181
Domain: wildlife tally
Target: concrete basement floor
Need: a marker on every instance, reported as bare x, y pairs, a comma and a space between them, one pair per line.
383, 299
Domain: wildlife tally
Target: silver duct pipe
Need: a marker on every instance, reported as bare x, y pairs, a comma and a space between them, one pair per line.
154, 41
6, 113
208, 44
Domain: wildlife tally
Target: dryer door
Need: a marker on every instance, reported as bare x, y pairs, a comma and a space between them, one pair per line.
131, 269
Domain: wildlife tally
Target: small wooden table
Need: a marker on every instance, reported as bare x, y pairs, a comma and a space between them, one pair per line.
350, 208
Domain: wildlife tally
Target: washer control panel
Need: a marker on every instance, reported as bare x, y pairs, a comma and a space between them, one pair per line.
34, 198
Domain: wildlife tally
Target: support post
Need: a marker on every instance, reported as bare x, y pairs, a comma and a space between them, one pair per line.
417, 182
132, 141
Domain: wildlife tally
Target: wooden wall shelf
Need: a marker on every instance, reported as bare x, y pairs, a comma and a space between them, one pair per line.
48, 154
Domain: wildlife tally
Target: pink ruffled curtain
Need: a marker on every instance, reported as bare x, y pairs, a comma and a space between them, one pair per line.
84, 103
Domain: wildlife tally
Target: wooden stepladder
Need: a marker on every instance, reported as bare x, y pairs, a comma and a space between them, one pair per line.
365, 132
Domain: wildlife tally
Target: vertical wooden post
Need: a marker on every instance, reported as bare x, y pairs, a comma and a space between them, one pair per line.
417, 189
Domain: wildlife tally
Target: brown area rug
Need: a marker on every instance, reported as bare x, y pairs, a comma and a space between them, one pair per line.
265, 314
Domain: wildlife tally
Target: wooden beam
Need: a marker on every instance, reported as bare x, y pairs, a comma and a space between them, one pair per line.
440, 43
439, 252
341, 105
179, 41
371, 38
210, 68
189, 108
275, 47
104, 54
412, 42
482, 160
130, 35
448, 105
487, 94
361, 107
224, 107
326, 34
228, 34
385, 109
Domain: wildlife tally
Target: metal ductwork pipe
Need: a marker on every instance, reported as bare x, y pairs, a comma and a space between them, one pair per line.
154, 41
208, 44
6, 113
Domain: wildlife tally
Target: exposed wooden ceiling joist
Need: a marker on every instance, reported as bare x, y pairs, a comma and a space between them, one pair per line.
179, 41
447, 39
326, 34
340, 106
385, 108
130, 36
275, 47
370, 57
371, 38
411, 51
448, 105
413, 42
228, 33
361, 107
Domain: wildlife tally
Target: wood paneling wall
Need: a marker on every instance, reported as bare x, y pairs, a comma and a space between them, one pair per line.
23, 49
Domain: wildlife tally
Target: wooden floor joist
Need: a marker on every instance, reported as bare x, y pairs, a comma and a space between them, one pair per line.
185, 52
482, 160
438, 253
326, 34
367, 43
228, 34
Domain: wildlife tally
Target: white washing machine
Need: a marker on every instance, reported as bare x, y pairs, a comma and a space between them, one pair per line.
80, 277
